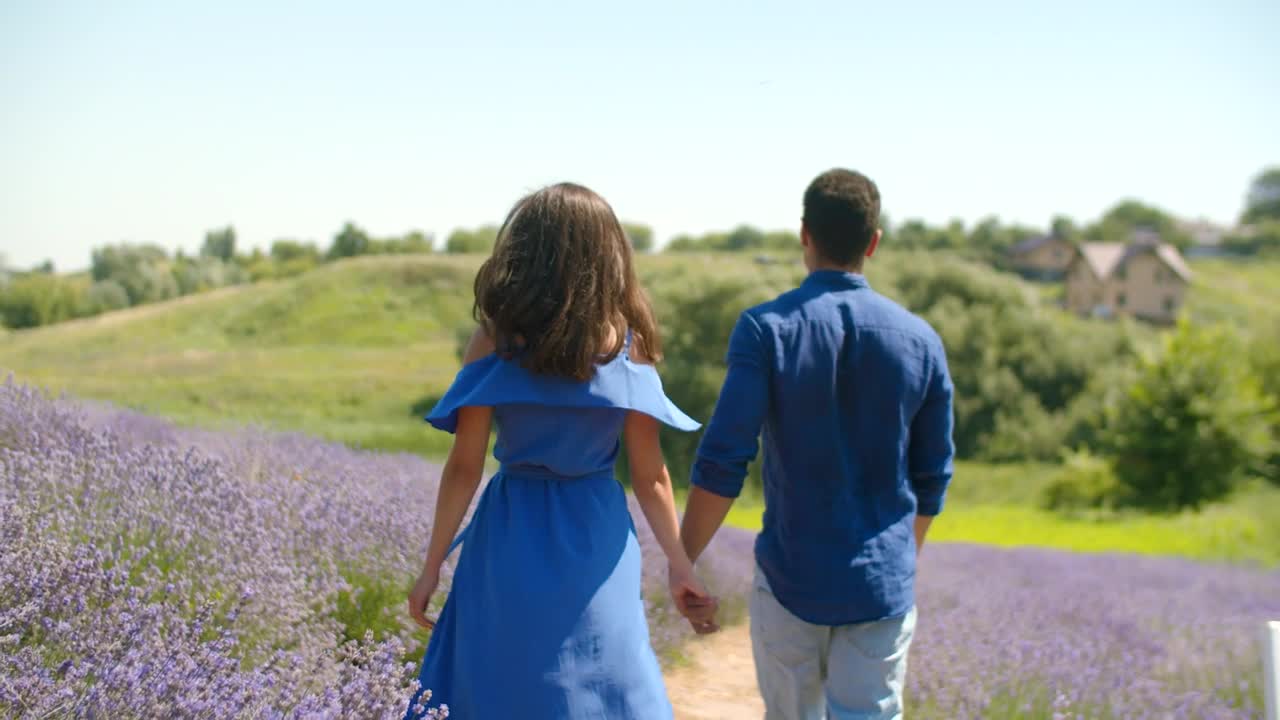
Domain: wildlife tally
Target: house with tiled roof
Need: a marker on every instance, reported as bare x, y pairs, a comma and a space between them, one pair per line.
1144, 278
1043, 257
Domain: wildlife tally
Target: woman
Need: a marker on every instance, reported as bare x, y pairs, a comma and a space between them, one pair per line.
545, 617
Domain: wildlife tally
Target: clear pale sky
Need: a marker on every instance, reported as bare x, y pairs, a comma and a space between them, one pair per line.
154, 121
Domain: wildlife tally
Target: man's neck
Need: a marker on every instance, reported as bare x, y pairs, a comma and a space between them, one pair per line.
856, 269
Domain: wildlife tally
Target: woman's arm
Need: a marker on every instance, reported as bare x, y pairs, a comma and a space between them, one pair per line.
465, 466
458, 482
651, 484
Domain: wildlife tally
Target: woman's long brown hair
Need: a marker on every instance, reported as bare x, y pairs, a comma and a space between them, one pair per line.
560, 291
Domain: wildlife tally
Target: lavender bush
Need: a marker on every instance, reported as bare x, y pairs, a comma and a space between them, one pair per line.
150, 571
1032, 633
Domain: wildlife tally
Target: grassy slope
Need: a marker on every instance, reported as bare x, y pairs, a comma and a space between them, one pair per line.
1240, 292
343, 352
347, 351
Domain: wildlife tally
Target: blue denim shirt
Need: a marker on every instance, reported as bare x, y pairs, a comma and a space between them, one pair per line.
853, 397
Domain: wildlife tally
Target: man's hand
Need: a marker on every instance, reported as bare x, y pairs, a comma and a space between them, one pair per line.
693, 601
921, 529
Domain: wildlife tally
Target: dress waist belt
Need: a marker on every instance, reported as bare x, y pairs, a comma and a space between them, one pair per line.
532, 472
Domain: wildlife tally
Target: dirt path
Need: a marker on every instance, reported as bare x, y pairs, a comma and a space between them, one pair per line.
719, 682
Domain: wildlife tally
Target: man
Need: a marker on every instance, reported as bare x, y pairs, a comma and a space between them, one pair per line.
854, 398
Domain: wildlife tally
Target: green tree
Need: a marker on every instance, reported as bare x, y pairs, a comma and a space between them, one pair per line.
1064, 227
744, 237
918, 235
111, 261
1261, 238
220, 244
105, 296
1263, 201
682, 243
1125, 219
416, 242
1194, 423
1085, 481
351, 241
142, 270
697, 320
209, 272
479, 240
289, 250
910, 235
1013, 400
989, 238
288, 258
413, 242
640, 235
39, 299
1265, 357
782, 240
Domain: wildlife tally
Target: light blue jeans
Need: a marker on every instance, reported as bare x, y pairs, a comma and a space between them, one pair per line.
815, 672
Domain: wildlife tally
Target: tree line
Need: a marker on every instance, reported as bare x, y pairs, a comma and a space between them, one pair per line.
126, 274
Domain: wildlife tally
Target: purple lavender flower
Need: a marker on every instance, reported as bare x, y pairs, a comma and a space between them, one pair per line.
153, 571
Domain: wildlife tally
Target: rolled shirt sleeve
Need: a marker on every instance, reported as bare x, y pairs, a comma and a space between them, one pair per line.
931, 451
732, 437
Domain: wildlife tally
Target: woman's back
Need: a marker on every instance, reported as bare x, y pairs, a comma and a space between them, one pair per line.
567, 442
558, 425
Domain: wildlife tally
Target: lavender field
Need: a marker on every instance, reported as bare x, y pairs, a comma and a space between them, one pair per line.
154, 572
150, 571
1031, 633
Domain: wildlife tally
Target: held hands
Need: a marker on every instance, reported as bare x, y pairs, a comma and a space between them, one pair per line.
421, 594
692, 599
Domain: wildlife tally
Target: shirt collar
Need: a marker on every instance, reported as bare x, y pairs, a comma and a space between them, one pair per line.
837, 279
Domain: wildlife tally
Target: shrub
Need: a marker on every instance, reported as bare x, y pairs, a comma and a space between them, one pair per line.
1018, 367
285, 250
39, 299
479, 240
1193, 424
207, 272
351, 241
1085, 481
1265, 350
105, 296
142, 270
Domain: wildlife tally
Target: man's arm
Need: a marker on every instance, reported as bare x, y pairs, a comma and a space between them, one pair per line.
731, 440
704, 513
931, 449
921, 529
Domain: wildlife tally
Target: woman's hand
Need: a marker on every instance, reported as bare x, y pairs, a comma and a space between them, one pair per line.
692, 599
420, 597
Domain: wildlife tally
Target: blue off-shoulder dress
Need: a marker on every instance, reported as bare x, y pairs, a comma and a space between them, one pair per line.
545, 617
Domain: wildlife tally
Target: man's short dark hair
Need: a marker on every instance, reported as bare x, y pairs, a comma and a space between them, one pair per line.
842, 213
